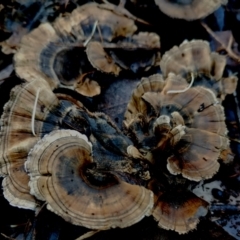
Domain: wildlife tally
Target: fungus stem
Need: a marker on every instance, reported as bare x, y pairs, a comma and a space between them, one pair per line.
91, 35
184, 90
34, 112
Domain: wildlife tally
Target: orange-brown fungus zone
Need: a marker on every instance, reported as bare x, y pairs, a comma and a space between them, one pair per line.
179, 210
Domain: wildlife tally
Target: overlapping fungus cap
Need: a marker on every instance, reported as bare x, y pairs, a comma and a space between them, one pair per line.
33, 111
192, 121
137, 105
189, 9
100, 59
140, 51
203, 137
23, 122
61, 172
198, 105
195, 57
113, 21
55, 52
179, 210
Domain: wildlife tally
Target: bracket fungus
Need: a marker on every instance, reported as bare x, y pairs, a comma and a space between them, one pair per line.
180, 129
187, 124
100, 59
142, 50
33, 111
24, 121
18, 135
181, 213
189, 9
54, 52
136, 104
195, 57
60, 172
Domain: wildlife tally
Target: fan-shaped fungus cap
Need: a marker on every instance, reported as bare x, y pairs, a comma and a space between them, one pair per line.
198, 106
59, 167
189, 9
140, 51
87, 86
179, 211
195, 57
54, 52
197, 151
185, 119
196, 154
145, 40
100, 59
136, 104
44, 54
19, 133
113, 21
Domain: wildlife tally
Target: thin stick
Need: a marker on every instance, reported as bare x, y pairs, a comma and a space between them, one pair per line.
237, 105
184, 90
34, 112
88, 234
100, 34
231, 54
119, 10
7, 237
122, 3
91, 35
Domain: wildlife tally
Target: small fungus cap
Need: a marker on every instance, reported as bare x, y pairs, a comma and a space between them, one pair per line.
196, 154
137, 52
86, 86
100, 59
195, 58
60, 172
19, 134
137, 104
179, 211
189, 9
192, 56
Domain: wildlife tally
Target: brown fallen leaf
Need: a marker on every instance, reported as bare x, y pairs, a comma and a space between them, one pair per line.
224, 41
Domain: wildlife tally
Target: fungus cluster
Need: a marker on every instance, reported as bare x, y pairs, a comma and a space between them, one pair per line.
177, 122
56, 52
41, 160
88, 171
195, 57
